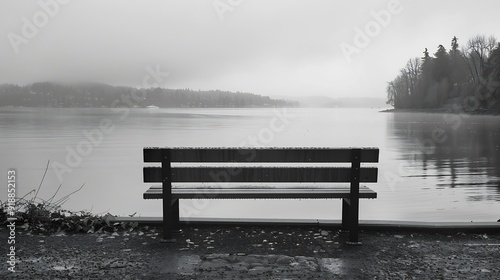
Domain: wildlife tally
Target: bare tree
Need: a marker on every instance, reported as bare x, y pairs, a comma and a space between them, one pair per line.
413, 72
477, 52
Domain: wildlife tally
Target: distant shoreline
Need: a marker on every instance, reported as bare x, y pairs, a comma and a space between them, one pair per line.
482, 112
149, 108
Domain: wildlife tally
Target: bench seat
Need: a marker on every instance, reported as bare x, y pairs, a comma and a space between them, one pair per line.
258, 192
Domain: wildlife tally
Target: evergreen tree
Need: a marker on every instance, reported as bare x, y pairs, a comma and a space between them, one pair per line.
458, 68
426, 80
441, 76
441, 65
473, 72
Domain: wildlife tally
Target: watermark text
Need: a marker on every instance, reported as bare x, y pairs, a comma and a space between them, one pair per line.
11, 219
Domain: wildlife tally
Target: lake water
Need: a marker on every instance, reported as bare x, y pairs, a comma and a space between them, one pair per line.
433, 167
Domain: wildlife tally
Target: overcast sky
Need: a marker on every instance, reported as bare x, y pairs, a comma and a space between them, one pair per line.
269, 47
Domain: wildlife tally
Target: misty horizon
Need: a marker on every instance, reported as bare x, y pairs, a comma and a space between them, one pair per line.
272, 48
98, 95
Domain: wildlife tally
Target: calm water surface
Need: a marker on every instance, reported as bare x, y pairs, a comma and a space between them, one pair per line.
433, 167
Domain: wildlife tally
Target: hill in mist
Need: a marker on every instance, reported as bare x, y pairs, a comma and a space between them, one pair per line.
93, 95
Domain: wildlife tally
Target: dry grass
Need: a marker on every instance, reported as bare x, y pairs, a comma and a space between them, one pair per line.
40, 216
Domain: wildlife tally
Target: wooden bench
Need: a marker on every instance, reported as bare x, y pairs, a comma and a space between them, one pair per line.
252, 172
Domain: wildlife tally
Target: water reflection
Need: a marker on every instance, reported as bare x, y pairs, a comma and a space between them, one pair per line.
450, 151
457, 180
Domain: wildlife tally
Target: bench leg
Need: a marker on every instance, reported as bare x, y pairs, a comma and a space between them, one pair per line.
354, 222
166, 174
175, 214
345, 213
167, 222
354, 197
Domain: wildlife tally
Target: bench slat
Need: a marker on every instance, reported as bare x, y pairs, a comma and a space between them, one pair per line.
260, 193
260, 174
261, 154
286, 186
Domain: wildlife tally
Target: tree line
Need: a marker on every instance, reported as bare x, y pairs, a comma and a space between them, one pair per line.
89, 95
465, 77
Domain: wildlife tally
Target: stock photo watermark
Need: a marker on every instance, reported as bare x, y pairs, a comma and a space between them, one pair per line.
156, 75
94, 137
11, 219
484, 93
31, 26
364, 36
277, 124
454, 117
223, 6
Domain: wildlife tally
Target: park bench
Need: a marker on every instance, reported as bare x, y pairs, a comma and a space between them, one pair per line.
252, 173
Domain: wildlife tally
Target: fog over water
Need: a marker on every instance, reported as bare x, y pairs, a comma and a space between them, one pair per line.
456, 180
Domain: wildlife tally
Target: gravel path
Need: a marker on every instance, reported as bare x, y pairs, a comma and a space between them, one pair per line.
227, 252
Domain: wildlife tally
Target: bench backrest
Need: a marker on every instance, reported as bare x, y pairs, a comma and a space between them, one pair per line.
210, 173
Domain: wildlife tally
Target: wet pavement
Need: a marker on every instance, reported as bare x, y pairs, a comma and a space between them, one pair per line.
255, 252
